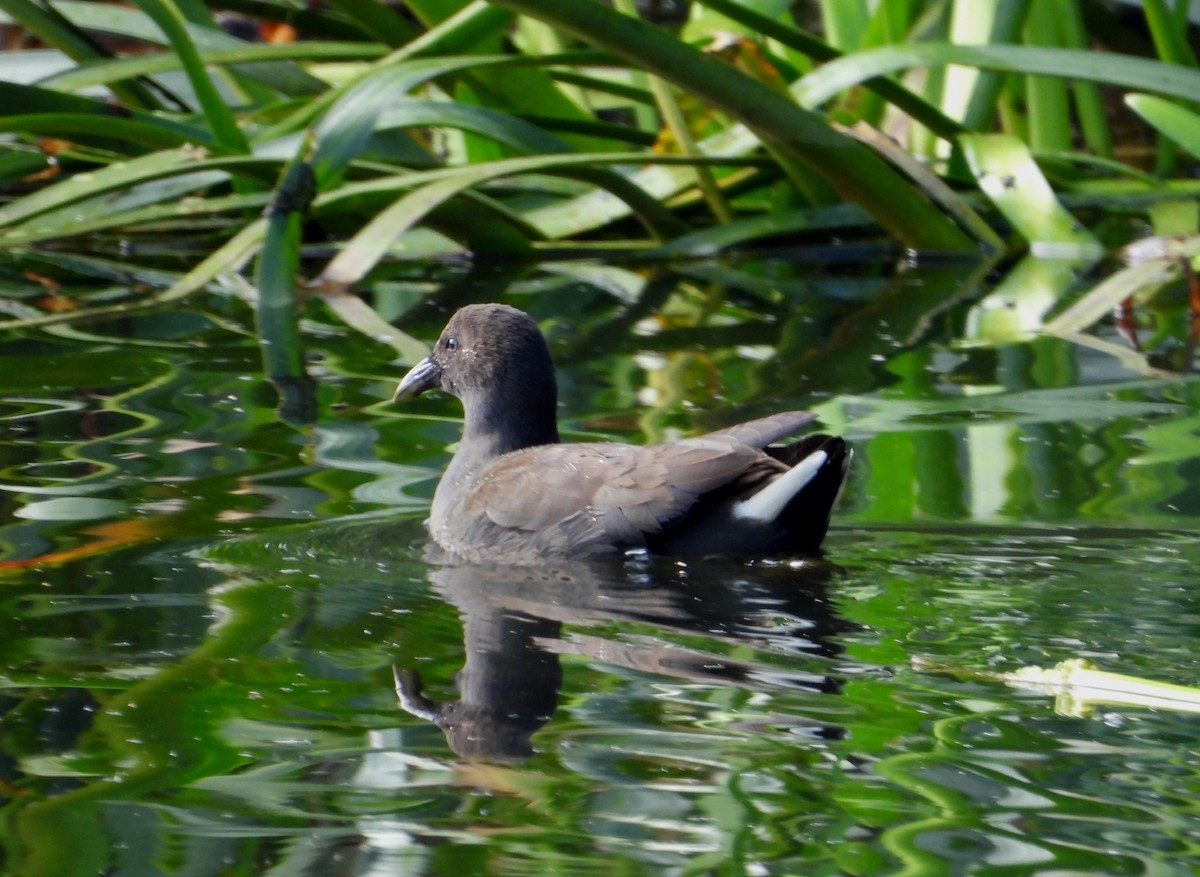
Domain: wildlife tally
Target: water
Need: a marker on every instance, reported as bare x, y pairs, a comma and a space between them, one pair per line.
223, 650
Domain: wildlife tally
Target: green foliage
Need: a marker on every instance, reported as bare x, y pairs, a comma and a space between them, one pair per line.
510, 127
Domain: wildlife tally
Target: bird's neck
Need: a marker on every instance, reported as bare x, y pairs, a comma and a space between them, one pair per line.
509, 422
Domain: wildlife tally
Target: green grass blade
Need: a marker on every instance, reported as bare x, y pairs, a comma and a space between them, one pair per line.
88, 194
1181, 125
361, 317
373, 104
1089, 105
475, 22
1140, 74
432, 189
1130, 281
1006, 25
92, 129
370, 244
711, 241
494, 124
1169, 33
400, 75
18, 99
1046, 96
56, 30
479, 27
1008, 175
800, 140
597, 84
795, 38
377, 20
180, 208
346, 127
285, 77
277, 314
113, 178
250, 58
52, 29
220, 118
970, 24
844, 22
658, 181
676, 123
379, 102
934, 187
622, 136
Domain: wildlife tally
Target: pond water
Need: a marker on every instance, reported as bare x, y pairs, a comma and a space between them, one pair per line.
223, 650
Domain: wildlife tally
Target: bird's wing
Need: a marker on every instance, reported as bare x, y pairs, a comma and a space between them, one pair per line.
761, 432
579, 495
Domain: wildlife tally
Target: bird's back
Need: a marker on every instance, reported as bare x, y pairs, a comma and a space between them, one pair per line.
590, 499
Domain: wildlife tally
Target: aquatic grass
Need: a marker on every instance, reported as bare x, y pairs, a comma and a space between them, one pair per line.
221, 121
109, 72
552, 140
796, 138
1179, 123
1088, 103
1007, 173
55, 29
278, 267
1123, 71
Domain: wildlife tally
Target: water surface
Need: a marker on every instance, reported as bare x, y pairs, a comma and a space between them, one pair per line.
226, 651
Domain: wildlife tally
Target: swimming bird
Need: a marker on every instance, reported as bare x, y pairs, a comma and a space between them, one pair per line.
513, 493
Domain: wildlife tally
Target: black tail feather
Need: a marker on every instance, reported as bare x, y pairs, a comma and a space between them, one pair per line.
806, 517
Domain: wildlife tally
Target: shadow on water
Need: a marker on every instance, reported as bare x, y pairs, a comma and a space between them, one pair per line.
659, 616
513, 635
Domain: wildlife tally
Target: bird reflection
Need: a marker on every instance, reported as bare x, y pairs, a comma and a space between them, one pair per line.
513, 628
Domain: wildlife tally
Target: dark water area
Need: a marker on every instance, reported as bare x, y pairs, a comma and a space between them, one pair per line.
226, 649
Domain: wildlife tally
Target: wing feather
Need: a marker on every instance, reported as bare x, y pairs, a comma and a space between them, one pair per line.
761, 432
585, 494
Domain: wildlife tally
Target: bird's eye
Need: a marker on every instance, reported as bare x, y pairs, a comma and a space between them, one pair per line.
451, 344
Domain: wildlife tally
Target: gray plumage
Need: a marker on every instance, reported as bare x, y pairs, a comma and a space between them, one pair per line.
514, 493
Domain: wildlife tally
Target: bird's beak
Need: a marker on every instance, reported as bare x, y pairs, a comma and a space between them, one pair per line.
425, 375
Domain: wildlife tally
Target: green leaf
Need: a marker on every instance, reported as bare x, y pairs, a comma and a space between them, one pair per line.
168, 203
1170, 119
372, 242
377, 20
801, 141
1047, 109
126, 21
1008, 175
98, 130
251, 59
844, 22
220, 118
53, 28
112, 178
808, 45
277, 315
1120, 70
1089, 104
710, 241
17, 100
1169, 33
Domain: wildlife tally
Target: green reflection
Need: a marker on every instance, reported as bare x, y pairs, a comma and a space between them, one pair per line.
201, 606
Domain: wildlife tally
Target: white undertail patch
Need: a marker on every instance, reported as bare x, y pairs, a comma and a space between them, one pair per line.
768, 503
